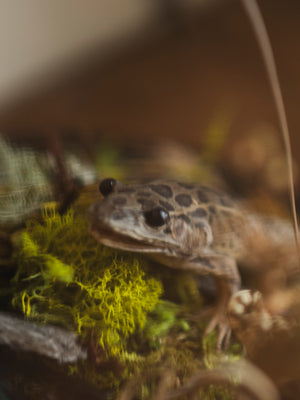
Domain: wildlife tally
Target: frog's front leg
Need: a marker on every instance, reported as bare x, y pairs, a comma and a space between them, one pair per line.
226, 275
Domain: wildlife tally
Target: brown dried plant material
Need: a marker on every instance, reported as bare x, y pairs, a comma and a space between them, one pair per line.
245, 380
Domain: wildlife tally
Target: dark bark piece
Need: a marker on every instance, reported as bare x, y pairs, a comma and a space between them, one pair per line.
50, 341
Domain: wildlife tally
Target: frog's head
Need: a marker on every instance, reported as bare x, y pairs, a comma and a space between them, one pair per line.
147, 218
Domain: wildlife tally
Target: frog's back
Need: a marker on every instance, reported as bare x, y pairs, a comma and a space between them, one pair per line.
224, 216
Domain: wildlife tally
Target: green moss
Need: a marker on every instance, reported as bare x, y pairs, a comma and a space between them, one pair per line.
65, 277
161, 320
213, 359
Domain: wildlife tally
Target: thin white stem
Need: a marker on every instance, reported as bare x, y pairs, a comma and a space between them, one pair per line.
264, 43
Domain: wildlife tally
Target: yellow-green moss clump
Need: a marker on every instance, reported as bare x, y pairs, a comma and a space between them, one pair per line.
65, 277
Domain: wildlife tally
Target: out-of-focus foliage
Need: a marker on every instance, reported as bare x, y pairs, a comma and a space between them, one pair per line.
27, 180
107, 162
24, 183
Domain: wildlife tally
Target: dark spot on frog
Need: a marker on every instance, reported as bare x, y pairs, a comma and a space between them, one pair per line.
166, 205
201, 225
184, 200
117, 215
119, 201
162, 190
225, 201
186, 185
143, 194
146, 203
198, 213
204, 261
185, 218
211, 218
202, 196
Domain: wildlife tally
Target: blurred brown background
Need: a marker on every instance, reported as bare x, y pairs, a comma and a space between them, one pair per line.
143, 70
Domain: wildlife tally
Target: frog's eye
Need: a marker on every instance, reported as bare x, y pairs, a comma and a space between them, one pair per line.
156, 217
107, 185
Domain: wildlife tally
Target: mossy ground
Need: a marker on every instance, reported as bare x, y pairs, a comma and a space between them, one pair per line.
65, 277
113, 300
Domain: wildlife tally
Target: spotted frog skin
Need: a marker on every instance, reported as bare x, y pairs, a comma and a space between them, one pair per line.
184, 226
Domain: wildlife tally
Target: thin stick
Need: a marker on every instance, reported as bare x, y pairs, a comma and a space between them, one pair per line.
264, 43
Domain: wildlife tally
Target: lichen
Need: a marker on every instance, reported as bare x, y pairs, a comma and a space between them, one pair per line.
65, 277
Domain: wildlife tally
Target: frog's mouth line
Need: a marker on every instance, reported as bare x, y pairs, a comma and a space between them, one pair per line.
119, 241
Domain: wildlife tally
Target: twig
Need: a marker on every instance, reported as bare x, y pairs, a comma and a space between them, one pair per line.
248, 381
259, 27
66, 187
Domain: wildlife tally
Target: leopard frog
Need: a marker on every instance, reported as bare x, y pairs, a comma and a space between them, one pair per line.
184, 226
